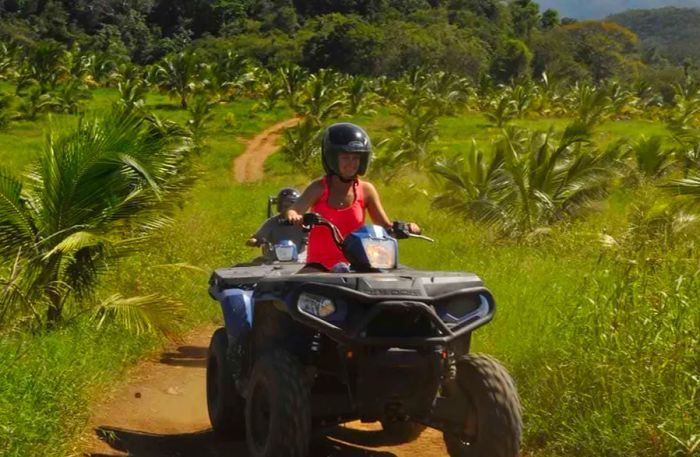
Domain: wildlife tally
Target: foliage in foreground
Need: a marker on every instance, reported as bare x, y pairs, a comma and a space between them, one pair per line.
95, 196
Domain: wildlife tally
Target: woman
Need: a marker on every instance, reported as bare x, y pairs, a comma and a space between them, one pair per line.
340, 196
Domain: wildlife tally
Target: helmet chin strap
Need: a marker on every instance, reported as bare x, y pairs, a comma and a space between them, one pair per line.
353, 179
344, 180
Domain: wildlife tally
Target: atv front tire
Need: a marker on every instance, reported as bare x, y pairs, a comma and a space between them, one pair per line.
492, 425
278, 408
224, 404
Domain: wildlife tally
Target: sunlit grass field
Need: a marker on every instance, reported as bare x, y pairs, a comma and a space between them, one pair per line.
602, 342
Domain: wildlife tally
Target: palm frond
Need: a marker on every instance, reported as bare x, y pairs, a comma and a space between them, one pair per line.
16, 225
142, 314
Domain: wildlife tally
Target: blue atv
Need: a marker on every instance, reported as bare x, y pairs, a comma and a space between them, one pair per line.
371, 340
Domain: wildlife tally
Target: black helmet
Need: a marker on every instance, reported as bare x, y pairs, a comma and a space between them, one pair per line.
345, 137
286, 198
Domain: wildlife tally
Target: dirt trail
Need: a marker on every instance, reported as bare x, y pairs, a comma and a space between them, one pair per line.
161, 411
249, 165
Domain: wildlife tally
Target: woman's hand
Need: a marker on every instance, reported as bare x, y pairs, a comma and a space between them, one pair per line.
414, 228
294, 217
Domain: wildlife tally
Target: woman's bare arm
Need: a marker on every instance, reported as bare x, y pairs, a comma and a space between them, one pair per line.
307, 199
374, 205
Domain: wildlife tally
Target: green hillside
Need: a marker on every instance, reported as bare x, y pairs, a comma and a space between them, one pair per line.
669, 33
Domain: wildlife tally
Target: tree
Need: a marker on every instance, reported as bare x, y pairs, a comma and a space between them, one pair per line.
512, 61
179, 75
96, 194
549, 19
530, 180
525, 15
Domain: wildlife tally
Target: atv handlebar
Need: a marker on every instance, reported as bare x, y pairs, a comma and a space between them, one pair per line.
399, 229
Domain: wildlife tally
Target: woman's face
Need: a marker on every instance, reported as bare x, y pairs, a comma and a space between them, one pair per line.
349, 164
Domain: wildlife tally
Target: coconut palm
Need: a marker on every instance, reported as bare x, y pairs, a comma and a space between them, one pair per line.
501, 110
45, 65
69, 96
531, 180
413, 140
200, 115
472, 182
292, 78
6, 114
95, 195
7, 61
180, 75
35, 102
687, 151
688, 189
653, 161
322, 97
361, 97
269, 88
302, 145
448, 92
592, 105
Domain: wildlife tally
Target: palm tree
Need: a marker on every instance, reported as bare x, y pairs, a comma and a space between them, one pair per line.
322, 97
688, 189
471, 184
179, 75
530, 180
653, 161
501, 110
302, 145
6, 115
292, 78
591, 104
70, 96
96, 195
200, 115
361, 98
269, 88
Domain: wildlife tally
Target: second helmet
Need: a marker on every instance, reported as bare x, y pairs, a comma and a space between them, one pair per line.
286, 198
345, 137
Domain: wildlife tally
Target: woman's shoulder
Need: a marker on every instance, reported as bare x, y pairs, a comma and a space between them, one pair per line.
368, 187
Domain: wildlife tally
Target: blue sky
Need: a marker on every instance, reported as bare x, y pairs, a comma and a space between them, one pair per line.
598, 9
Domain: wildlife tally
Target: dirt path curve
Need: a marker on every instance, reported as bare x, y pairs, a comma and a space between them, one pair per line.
248, 166
161, 411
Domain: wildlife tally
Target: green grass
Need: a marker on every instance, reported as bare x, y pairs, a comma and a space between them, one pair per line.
602, 343
49, 380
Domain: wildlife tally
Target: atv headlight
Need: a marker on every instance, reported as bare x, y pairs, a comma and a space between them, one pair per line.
380, 253
316, 305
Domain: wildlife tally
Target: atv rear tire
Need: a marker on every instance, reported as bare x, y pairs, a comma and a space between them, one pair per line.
492, 425
225, 406
402, 432
278, 408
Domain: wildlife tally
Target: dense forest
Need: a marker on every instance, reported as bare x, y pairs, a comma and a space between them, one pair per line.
666, 33
500, 40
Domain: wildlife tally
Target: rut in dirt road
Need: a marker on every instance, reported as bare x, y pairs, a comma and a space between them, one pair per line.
248, 166
161, 411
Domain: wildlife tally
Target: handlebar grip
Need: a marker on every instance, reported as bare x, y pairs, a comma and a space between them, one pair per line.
310, 219
400, 230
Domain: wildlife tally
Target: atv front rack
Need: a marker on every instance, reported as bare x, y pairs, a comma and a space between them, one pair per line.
362, 310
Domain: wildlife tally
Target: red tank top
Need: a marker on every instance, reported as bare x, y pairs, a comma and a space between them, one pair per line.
321, 247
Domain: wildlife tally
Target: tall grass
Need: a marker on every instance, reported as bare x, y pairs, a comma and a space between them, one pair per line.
602, 341
48, 381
